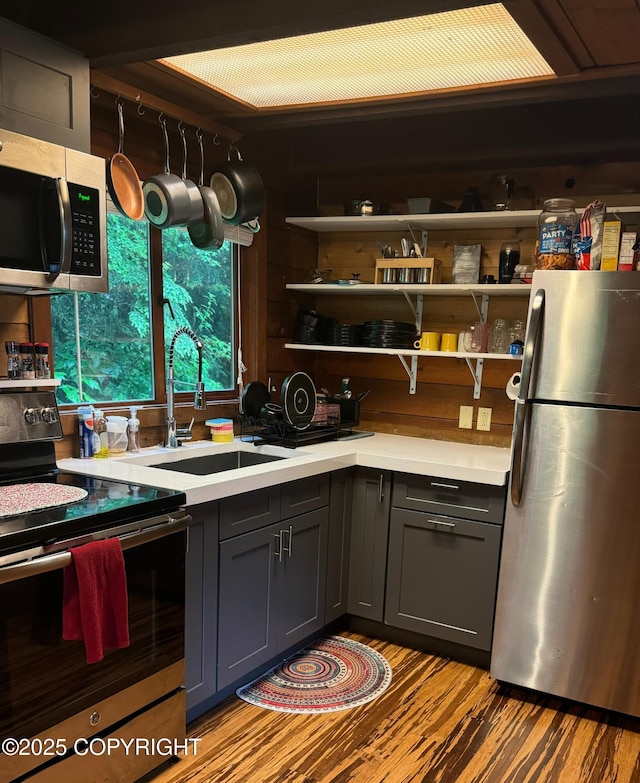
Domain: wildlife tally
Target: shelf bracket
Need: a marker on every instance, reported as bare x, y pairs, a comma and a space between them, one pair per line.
415, 310
483, 308
476, 374
412, 371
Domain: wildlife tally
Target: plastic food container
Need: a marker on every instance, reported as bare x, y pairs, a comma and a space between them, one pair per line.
221, 430
117, 434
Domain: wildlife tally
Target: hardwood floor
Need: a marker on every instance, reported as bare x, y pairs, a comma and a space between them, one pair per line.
440, 721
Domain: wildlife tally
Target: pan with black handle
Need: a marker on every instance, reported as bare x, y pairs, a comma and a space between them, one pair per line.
166, 198
207, 233
239, 189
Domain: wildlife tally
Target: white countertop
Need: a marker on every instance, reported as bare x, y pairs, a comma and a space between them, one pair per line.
464, 462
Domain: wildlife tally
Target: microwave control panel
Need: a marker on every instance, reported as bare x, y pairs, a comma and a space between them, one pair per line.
85, 206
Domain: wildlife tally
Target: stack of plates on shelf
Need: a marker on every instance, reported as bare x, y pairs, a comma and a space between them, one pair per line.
347, 335
389, 334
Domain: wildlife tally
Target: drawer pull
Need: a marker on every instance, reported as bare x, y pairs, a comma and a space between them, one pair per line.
278, 553
289, 548
439, 522
444, 486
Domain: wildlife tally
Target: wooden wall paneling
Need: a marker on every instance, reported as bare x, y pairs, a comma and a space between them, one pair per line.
435, 429
610, 31
616, 181
14, 322
345, 253
253, 271
431, 370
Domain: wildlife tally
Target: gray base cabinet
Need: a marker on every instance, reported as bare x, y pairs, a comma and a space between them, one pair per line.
339, 546
247, 626
442, 576
444, 551
301, 578
272, 580
201, 609
369, 536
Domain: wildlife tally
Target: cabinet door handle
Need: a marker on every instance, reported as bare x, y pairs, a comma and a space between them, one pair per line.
445, 486
380, 492
290, 547
278, 553
439, 522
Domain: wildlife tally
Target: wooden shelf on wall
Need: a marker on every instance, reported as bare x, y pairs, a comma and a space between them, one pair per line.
522, 218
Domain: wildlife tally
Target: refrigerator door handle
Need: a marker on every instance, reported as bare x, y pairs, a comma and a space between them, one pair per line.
535, 320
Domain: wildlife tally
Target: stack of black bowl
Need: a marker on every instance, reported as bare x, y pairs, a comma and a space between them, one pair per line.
389, 334
347, 335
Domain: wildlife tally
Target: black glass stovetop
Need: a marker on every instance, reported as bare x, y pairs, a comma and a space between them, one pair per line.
108, 503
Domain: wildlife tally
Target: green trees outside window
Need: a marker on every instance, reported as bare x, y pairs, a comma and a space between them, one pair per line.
199, 286
103, 343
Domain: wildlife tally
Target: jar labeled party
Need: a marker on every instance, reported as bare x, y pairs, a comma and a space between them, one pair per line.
556, 226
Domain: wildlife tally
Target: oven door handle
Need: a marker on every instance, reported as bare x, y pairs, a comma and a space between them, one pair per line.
42, 565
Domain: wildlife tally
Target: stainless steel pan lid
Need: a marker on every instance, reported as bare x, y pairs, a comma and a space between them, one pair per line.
298, 397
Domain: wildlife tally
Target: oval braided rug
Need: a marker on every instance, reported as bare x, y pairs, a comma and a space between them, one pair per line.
333, 673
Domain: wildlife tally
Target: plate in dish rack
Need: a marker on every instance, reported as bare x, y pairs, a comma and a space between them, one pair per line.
298, 397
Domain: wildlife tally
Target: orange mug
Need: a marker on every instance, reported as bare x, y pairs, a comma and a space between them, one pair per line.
449, 342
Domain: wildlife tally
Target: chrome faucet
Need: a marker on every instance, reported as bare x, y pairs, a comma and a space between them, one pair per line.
173, 434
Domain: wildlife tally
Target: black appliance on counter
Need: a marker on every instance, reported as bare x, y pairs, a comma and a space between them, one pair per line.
47, 690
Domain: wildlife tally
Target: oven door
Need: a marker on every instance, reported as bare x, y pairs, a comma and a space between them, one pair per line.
45, 682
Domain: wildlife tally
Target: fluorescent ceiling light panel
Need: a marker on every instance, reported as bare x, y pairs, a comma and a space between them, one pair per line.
462, 48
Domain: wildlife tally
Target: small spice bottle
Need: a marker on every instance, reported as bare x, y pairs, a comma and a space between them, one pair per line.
14, 368
41, 351
26, 361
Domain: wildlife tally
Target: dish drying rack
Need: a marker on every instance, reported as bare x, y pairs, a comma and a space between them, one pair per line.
338, 418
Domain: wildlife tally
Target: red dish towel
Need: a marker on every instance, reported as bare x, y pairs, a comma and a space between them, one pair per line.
94, 600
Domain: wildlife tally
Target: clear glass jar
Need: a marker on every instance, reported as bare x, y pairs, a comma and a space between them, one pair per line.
499, 338
556, 226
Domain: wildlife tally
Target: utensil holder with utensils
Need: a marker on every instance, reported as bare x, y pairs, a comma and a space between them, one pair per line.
403, 271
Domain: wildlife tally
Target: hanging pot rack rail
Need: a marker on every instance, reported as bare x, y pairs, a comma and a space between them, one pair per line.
149, 100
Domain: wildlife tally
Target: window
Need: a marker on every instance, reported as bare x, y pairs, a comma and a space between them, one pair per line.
199, 286
103, 343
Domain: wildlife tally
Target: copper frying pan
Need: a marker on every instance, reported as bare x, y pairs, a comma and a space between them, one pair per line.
123, 182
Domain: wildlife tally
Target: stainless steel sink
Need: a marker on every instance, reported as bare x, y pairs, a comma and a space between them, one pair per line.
217, 463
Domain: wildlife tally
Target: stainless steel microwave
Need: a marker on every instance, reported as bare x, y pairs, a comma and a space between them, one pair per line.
53, 217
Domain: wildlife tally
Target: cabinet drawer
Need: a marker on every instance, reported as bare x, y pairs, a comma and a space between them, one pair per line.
249, 511
482, 502
304, 495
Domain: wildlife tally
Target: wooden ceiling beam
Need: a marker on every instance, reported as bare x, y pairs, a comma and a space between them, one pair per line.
147, 99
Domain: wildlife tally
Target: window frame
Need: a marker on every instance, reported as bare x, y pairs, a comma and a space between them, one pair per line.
40, 318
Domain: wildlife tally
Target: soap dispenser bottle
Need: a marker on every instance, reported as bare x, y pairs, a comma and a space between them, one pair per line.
134, 430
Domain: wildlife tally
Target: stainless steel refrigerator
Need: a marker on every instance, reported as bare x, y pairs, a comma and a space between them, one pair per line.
568, 608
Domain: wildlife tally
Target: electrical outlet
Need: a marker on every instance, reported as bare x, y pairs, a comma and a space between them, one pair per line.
484, 419
465, 422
